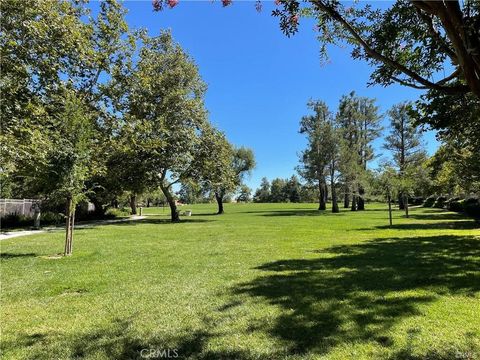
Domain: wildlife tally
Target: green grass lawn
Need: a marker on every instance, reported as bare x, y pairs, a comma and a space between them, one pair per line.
263, 281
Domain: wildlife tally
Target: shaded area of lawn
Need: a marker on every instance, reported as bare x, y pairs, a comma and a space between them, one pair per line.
356, 293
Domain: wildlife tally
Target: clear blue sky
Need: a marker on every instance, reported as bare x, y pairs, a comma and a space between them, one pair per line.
259, 80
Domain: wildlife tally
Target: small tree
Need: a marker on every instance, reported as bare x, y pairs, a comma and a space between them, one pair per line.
242, 163
244, 193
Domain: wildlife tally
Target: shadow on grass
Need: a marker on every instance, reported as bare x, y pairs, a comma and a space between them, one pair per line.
457, 225
299, 212
6, 256
118, 341
357, 293
154, 221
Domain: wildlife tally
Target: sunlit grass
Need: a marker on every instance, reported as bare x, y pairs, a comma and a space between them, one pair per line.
265, 281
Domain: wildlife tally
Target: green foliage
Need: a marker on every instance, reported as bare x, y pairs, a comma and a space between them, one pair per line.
440, 202
429, 201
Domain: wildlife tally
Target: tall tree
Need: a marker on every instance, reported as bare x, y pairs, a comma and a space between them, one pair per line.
316, 158
404, 142
262, 194
161, 101
53, 58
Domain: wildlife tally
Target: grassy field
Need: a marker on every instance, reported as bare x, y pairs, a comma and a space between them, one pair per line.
263, 281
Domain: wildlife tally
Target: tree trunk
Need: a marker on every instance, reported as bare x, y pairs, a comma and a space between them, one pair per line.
401, 203
354, 201
219, 198
326, 193
389, 208
346, 198
148, 202
69, 226
361, 200
133, 204
405, 202
335, 208
171, 201
321, 196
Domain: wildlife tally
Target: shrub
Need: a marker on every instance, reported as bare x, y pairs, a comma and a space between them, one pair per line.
416, 200
15, 220
472, 206
429, 201
440, 202
113, 213
455, 204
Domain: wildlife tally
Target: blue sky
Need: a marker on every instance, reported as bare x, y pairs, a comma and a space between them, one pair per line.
259, 80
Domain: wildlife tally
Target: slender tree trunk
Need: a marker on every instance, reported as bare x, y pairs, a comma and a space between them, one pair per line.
171, 202
346, 197
69, 225
334, 191
321, 196
148, 202
361, 199
72, 225
389, 199
133, 204
219, 197
326, 193
405, 201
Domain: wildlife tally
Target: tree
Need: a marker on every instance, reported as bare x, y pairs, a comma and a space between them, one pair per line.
244, 194
262, 194
215, 161
53, 57
409, 42
163, 115
315, 159
242, 163
277, 191
292, 189
405, 144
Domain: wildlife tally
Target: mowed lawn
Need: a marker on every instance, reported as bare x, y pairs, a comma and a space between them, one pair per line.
263, 281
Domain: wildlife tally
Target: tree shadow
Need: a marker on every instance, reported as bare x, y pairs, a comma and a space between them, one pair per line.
438, 215
293, 212
6, 256
147, 220
357, 293
458, 225
118, 341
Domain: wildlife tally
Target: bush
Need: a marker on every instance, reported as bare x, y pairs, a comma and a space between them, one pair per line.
113, 213
14, 220
416, 200
429, 201
440, 202
472, 207
455, 204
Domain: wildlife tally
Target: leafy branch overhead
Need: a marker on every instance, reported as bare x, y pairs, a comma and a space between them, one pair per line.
431, 45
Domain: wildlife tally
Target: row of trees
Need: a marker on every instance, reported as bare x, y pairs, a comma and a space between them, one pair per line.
285, 190
91, 109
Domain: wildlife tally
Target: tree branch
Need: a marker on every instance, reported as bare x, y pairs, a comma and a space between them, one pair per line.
378, 56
